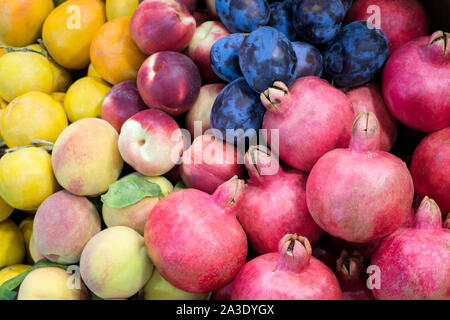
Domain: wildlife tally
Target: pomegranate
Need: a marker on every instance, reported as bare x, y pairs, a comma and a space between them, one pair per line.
361, 193
400, 20
274, 203
351, 274
416, 83
414, 263
430, 168
312, 117
290, 274
194, 238
223, 293
368, 98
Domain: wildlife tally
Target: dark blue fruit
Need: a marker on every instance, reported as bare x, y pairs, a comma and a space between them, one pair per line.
309, 60
237, 109
266, 56
281, 18
224, 56
356, 55
243, 15
318, 21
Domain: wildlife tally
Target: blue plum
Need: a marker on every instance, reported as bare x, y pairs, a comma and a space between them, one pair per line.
281, 18
266, 56
224, 56
243, 15
238, 108
356, 55
309, 60
318, 21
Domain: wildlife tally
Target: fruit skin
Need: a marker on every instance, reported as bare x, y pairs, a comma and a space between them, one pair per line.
430, 168
86, 159
5, 210
34, 252
237, 109
356, 55
281, 18
312, 117
266, 55
114, 54
274, 203
361, 193
26, 178
135, 215
309, 60
34, 115
122, 102
422, 104
120, 8
26, 227
210, 162
114, 263
289, 274
162, 25
351, 274
13, 67
317, 21
421, 253
157, 288
224, 57
199, 48
50, 283
10, 272
63, 225
400, 20
21, 21
241, 15
223, 293
13, 246
151, 142
189, 217
92, 72
169, 81
67, 43
369, 98
201, 109
84, 98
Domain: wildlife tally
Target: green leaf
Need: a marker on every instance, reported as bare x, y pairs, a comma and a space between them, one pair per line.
129, 190
7, 288
179, 186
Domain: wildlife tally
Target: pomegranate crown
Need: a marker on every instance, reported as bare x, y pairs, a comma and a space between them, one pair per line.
295, 253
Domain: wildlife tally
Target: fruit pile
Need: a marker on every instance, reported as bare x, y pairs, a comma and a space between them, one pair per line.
218, 149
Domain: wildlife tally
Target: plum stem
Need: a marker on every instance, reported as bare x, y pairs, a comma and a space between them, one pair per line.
428, 216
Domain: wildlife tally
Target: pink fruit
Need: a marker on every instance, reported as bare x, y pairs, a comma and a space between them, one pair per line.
223, 293
430, 168
361, 193
274, 203
201, 110
416, 83
122, 102
400, 20
368, 98
194, 238
161, 25
351, 272
414, 263
200, 46
209, 162
169, 81
290, 274
151, 142
312, 118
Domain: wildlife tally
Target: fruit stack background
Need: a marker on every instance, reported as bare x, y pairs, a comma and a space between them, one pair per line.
224, 149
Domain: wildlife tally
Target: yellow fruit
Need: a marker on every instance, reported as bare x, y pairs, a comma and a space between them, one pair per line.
34, 115
26, 226
5, 210
21, 20
92, 72
22, 72
26, 178
164, 184
12, 271
84, 98
59, 97
120, 8
69, 29
12, 245
2, 51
